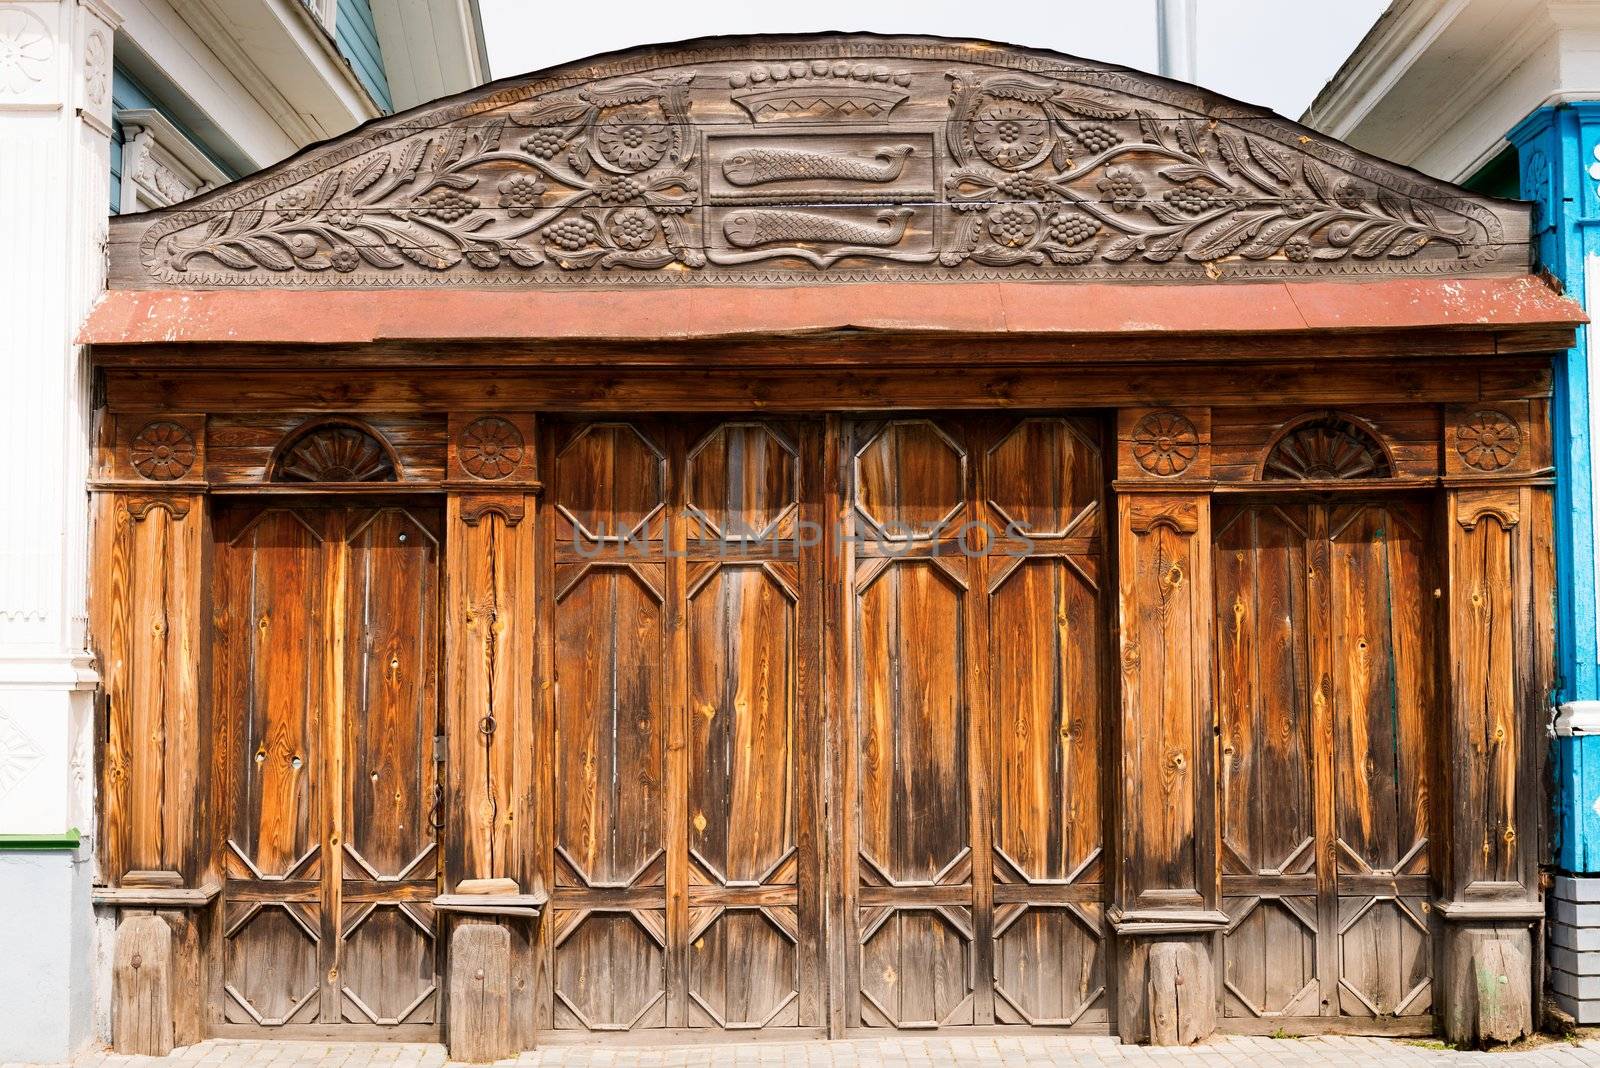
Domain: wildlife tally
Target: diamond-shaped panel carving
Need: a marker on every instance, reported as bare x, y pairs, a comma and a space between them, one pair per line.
1048, 965
916, 970
743, 478
610, 972
388, 970
1385, 960
1270, 957
1042, 476
19, 754
610, 480
271, 969
744, 971
910, 479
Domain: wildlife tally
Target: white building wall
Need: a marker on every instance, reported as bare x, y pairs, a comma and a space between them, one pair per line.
55, 106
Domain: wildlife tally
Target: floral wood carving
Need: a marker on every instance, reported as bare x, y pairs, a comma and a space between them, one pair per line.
162, 451
893, 158
334, 452
1488, 440
489, 448
1165, 443
1325, 449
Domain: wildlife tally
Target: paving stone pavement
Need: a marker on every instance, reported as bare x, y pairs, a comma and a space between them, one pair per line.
1001, 1052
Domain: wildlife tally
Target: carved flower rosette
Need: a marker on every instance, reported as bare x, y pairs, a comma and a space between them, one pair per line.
490, 448
162, 451
1165, 444
1488, 440
909, 161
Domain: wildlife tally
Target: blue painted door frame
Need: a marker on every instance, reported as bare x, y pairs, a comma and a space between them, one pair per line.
1556, 147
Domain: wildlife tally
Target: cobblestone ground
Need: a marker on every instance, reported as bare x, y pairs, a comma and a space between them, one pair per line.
1022, 1052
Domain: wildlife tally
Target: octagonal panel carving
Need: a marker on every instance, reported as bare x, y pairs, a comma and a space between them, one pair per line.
610, 973
744, 971
611, 481
1048, 965
910, 480
741, 727
1270, 959
916, 970
387, 969
742, 479
1043, 475
1385, 958
270, 969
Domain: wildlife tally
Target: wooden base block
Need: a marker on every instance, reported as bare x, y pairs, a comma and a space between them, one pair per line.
1488, 984
1168, 990
479, 1020
141, 986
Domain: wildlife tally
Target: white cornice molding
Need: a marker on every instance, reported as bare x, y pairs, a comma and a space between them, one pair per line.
1388, 52
160, 166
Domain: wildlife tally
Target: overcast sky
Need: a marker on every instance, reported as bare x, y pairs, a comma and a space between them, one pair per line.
1276, 53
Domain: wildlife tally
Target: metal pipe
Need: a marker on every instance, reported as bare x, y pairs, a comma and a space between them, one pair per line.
1175, 39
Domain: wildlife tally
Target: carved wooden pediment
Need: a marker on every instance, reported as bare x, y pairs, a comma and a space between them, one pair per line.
778, 160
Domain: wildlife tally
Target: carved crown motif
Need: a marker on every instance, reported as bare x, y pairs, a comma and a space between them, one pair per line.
821, 89
895, 158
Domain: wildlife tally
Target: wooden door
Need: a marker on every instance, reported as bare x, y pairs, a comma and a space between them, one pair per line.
325, 645
1329, 713
680, 613
970, 714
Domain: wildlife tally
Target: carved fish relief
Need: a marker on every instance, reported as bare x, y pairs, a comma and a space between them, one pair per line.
758, 166
752, 227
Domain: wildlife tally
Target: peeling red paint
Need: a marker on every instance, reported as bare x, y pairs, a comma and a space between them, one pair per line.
343, 317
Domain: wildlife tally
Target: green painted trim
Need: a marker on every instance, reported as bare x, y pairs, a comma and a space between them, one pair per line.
40, 843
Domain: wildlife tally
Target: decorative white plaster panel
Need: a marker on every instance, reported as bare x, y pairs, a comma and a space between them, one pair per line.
19, 754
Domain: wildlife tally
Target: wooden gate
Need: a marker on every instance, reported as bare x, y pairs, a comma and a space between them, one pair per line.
682, 616
325, 640
970, 713
1328, 705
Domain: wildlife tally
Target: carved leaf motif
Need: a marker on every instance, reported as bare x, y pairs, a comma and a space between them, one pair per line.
601, 176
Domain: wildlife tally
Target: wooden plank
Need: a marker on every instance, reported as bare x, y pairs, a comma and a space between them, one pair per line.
142, 986
480, 993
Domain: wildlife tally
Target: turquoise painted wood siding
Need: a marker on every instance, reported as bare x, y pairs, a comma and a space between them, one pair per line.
128, 94
357, 37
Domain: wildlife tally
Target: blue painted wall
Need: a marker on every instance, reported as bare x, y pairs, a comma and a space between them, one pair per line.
357, 37
127, 93
1555, 147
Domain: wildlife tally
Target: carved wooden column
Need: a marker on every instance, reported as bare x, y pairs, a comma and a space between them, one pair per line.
494, 889
150, 546
1165, 907
1501, 655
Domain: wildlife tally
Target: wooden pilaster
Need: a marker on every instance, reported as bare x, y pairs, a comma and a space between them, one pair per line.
488, 746
148, 632
1501, 647
1165, 907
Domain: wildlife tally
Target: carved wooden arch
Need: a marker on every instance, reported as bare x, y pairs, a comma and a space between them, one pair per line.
1324, 447
784, 159
349, 446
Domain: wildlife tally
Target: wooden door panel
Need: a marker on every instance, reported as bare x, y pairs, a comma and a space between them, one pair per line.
742, 643
610, 722
978, 644
683, 895
269, 590
325, 661
914, 804
1325, 693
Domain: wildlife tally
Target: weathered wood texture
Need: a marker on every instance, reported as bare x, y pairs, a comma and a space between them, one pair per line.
815, 159
1490, 1000
147, 635
1181, 994
680, 620
142, 982
480, 1006
325, 632
1328, 707
971, 711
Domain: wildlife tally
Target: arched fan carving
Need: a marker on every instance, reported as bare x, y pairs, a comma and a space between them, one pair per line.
1326, 449
335, 452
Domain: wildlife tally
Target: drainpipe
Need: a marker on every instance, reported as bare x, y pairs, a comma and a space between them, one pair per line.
1175, 38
